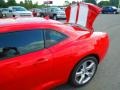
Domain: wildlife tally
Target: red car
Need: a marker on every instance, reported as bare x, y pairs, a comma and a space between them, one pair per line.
39, 54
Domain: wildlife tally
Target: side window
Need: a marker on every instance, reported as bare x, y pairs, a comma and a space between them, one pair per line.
17, 43
110, 8
53, 37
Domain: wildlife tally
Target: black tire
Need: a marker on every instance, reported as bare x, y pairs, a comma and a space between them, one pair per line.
72, 79
117, 13
103, 13
42, 15
1, 15
55, 17
14, 16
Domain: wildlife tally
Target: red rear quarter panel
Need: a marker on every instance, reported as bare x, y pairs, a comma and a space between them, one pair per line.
68, 53
102, 40
95, 44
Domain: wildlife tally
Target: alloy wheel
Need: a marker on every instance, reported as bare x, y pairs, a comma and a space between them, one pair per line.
85, 72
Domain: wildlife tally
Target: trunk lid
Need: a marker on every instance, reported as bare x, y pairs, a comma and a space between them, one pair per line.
83, 14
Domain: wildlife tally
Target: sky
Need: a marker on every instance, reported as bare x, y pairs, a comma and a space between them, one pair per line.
55, 2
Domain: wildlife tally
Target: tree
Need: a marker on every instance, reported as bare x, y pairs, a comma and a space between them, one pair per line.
11, 3
66, 3
114, 3
35, 5
90, 1
21, 3
104, 3
2, 4
28, 4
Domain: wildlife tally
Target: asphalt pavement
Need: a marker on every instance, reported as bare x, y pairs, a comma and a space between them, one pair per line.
108, 73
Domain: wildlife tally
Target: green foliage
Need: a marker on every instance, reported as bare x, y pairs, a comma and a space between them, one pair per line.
114, 3
2, 4
104, 3
109, 3
90, 1
27, 4
66, 3
21, 3
11, 3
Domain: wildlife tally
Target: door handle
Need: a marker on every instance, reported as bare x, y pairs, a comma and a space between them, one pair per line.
41, 60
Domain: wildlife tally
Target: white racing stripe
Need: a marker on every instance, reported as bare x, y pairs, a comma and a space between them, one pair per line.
83, 14
73, 14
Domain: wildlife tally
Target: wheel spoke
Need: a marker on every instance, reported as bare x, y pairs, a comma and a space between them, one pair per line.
90, 66
78, 74
84, 65
82, 78
89, 74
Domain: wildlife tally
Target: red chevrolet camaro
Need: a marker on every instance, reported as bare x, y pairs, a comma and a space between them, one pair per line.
39, 54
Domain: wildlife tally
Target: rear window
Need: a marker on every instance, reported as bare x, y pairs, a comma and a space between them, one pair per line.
53, 37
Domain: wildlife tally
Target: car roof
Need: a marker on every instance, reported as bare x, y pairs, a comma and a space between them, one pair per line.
12, 24
26, 23
26, 20
8, 25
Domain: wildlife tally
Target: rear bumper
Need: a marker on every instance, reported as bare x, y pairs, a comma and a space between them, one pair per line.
103, 46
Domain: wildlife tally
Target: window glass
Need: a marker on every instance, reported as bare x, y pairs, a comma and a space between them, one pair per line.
17, 43
19, 9
53, 37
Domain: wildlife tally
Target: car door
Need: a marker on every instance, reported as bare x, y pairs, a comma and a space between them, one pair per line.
106, 9
10, 12
24, 62
110, 9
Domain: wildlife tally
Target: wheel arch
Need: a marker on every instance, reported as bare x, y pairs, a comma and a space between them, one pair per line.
89, 55
93, 55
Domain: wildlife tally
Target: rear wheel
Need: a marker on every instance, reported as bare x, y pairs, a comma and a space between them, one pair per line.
1, 16
84, 71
